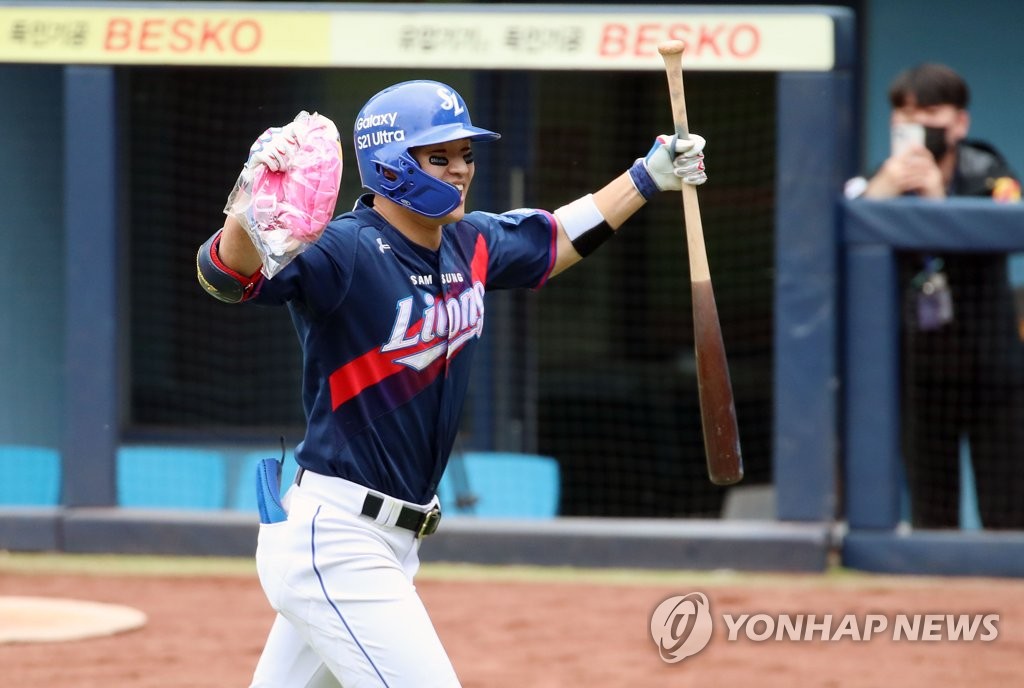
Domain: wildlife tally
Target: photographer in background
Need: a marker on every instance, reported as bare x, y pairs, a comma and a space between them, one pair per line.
962, 357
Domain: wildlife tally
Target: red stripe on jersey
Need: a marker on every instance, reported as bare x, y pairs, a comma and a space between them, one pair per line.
478, 266
371, 368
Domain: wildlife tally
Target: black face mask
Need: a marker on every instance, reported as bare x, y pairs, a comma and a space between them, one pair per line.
935, 141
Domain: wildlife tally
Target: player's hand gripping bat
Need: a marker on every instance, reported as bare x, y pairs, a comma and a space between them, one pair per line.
717, 408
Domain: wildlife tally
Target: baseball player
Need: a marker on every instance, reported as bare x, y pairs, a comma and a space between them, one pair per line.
389, 307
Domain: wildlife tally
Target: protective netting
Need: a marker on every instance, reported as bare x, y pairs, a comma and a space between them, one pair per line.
595, 370
962, 389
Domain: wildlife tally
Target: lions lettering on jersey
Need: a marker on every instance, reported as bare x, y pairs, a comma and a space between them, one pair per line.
456, 318
427, 329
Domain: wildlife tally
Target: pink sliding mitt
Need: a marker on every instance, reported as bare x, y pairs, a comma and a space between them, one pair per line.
286, 193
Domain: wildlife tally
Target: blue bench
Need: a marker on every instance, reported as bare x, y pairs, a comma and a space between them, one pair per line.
503, 484
168, 477
29, 475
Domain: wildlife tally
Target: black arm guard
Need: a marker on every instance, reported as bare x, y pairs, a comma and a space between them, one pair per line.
588, 242
220, 281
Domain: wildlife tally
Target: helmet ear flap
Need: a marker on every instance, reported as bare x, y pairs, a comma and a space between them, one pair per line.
391, 179
416, 189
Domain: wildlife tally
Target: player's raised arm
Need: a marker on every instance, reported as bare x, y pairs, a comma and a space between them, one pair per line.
236, 250
588, 222
283, 199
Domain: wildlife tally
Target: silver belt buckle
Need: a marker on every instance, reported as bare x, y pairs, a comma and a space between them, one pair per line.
430, 523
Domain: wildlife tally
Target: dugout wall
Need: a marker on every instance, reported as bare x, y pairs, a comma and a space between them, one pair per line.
873, 234
771, 87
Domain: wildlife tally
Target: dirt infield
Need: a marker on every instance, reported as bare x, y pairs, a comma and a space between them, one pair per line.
206, 631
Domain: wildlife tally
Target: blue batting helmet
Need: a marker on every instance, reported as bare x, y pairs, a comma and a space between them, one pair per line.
403, 116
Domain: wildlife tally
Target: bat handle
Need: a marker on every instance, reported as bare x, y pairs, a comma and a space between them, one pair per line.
672, 55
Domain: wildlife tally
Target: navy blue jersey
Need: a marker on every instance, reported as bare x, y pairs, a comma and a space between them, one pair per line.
388, 330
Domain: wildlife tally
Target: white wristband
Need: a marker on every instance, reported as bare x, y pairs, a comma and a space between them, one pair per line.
584, 224
579, 216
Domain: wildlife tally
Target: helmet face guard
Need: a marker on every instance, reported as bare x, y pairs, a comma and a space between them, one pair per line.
404, 116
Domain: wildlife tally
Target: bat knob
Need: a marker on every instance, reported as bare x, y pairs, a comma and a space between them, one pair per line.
671, 47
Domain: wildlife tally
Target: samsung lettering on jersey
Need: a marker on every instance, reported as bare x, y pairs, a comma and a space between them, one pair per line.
459, 319
446, 278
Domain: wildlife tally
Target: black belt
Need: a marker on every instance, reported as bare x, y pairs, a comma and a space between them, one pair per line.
419, 522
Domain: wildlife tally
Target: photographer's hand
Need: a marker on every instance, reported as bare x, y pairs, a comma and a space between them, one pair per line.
913, 171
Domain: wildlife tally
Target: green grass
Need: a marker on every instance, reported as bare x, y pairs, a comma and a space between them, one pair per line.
624, 576
125, 565
111, 565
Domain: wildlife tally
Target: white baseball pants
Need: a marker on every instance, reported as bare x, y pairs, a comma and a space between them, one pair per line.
348, 612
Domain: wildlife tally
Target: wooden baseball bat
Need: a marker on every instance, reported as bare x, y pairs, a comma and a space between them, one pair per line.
717, 407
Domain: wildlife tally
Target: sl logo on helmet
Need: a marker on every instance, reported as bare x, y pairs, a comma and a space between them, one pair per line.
450, 101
